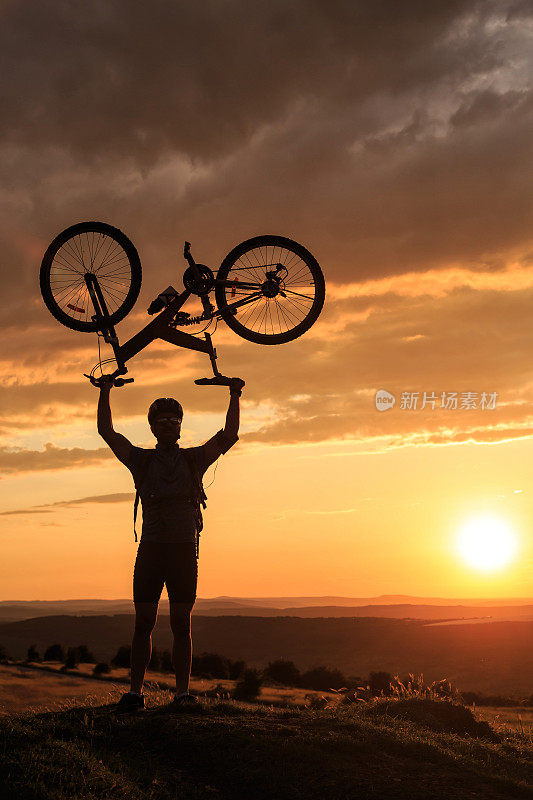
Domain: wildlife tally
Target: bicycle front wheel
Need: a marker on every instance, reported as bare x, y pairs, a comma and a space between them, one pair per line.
101, 250
276, 286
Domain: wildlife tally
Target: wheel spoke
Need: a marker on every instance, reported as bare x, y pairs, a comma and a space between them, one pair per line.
306, 296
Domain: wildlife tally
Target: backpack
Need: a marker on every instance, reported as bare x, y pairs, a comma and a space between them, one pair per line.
199, 497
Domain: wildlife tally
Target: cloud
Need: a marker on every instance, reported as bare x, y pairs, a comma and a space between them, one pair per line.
405, 126
403, 336
118, 497
19, 460
121, 79
393, 139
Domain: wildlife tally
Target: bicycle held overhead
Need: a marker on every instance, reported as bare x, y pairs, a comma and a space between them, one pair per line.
268, 290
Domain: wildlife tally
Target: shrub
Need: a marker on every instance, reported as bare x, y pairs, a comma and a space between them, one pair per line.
122, 657
316, 702
285, 672
415, 686
166, 661
155, 660
3, 654
220, 692
323, 679
379, 683
54, 653
32, 654
249, 686
236, 669
101, 669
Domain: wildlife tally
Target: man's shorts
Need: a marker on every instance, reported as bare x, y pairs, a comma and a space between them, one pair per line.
170, 563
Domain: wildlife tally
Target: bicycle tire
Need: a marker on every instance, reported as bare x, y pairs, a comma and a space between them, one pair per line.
72, 253
258, 248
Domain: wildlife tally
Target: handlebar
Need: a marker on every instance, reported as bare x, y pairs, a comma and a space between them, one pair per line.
220, 380
236, 384
115, 382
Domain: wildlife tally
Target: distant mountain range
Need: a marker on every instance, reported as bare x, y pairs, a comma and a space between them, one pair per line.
393, 606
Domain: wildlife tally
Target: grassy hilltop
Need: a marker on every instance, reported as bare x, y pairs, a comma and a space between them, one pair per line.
410, 749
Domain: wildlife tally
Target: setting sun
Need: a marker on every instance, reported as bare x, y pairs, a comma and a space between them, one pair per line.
487, 542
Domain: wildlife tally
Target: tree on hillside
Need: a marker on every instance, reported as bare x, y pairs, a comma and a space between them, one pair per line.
71, 661
322, 679
283, 671
84, 655
32, 654
54, 653
210, 665
123, 657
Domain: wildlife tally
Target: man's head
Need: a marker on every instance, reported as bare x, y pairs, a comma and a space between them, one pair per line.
165, 416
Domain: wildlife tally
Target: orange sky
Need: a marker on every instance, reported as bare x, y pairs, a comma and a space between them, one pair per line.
394, 141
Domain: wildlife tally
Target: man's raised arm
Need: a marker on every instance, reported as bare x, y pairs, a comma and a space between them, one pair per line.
120, 446
231, 428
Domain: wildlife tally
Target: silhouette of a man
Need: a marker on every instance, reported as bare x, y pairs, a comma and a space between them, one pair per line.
167, 550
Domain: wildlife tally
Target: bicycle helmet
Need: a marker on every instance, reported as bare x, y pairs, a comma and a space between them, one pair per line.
163, 404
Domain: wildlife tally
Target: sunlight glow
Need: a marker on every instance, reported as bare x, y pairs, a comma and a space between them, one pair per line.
487, 543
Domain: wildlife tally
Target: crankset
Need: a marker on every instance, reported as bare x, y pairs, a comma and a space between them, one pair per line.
198, 279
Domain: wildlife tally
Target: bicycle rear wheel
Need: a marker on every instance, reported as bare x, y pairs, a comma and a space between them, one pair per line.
287, 304
99, 249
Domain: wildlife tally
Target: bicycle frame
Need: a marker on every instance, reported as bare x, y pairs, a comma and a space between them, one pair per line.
158, 328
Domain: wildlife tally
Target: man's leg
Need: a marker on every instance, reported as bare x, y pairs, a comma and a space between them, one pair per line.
141, 646
180, 622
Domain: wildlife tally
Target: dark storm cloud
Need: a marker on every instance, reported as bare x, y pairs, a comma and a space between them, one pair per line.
386, 135
129, 78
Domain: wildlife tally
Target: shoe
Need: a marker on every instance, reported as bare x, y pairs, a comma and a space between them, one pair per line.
184, 702
130, 704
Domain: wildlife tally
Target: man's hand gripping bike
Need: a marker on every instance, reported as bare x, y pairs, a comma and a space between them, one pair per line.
268, 289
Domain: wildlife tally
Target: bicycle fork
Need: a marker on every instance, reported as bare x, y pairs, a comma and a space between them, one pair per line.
101, 316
